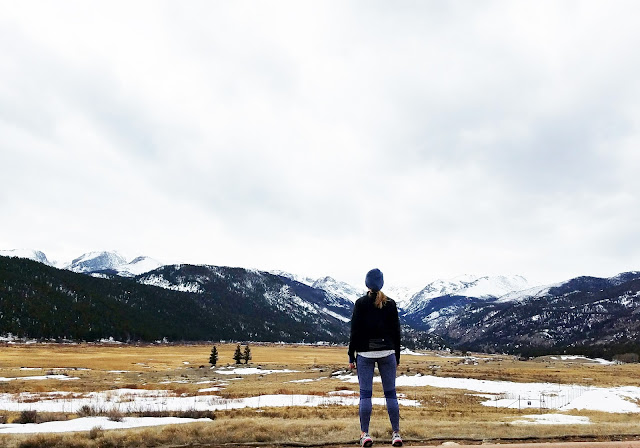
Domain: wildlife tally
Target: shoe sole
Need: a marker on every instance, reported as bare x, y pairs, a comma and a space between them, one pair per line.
397, 444
367, 444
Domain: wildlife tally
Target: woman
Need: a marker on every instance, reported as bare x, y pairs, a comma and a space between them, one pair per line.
375, 338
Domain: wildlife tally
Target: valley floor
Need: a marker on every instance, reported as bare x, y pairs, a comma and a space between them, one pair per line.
154, 395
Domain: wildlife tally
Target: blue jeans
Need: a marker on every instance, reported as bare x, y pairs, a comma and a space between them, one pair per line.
387, 368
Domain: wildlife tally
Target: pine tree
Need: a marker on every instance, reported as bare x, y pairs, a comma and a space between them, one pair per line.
213, 359
237, 356
247, 354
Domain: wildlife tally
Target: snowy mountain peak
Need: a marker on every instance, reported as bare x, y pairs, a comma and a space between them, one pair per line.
485, 287
31, 254
296, 278
401, 294
137, 266
339, 288
96, 261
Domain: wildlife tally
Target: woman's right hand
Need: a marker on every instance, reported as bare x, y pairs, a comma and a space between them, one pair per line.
352, 365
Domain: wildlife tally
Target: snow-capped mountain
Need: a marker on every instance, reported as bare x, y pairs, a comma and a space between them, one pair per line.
112, 262
585, 314
401, 294
338, 288
137, 266
596, 316
328, 284
96, 261
31, 254
270, 305
485, 287
295, 277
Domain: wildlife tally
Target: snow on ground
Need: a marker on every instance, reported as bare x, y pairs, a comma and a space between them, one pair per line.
157, 280
139, 400
252, 371
531, 395
40, 378
583, 358
552, 419
88, 423
406, 351
210, 389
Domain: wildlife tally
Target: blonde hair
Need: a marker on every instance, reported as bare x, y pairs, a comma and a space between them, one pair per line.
380, 298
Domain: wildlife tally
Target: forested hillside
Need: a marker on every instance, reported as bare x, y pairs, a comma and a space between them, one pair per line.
40, 301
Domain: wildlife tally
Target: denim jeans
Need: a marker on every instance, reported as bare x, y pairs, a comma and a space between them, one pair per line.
387, 368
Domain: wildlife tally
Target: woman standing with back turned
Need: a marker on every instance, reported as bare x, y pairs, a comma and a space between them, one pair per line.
375, 338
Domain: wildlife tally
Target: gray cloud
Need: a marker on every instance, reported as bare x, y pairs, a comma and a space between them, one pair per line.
428, 139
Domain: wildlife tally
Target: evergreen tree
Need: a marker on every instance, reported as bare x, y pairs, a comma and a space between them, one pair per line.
247, 354
213, 359
237, 356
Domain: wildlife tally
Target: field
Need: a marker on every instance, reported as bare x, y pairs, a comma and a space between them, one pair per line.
304, 395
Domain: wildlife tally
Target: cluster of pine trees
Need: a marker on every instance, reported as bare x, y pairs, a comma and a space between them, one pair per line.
238, 356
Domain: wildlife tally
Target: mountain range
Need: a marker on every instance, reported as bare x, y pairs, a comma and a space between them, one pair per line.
490, 314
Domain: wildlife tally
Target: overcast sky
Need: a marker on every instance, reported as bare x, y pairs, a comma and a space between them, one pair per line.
427, 138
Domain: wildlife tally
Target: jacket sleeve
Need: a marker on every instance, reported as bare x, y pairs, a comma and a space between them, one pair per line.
396, 333
354, 333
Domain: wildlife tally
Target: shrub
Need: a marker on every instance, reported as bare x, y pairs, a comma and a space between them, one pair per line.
44, 417
96, 432
627, 358
195, 413
87, 411
27, 417
115, 415
36, 442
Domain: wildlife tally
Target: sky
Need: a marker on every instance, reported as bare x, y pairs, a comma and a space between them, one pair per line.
428, 139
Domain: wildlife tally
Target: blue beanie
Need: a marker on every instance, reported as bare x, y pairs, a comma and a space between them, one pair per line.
374, 280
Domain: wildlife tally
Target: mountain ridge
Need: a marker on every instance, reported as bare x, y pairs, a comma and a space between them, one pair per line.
588, 315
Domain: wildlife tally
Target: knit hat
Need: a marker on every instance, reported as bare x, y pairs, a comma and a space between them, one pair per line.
374, 280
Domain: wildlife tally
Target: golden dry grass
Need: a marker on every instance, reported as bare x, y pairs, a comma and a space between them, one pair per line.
444, 414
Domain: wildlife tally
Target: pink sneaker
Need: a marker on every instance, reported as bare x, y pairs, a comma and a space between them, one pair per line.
366, 440
396, 440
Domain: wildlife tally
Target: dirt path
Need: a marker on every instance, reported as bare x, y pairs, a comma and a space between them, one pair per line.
623, 444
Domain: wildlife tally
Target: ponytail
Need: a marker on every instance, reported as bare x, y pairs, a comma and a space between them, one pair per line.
380, 299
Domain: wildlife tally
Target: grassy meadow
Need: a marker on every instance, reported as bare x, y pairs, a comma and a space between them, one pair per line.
443, 414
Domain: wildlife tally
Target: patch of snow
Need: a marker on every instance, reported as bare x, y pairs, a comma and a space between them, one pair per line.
343, 392
584, 358
40, 378
536, 291
157, 280
88, 423
336, 315
252, 371
140, 400
552, 419
406, 351
210, 389
531, 395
